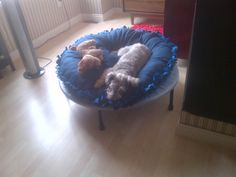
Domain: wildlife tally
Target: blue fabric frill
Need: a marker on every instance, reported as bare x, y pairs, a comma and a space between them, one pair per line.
158, 67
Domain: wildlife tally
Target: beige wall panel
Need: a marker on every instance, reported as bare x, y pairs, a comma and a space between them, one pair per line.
42, 16
117, 3
106, 5
91, 6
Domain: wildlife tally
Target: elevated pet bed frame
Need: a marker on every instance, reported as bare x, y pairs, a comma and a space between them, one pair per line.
158, 77
166, 87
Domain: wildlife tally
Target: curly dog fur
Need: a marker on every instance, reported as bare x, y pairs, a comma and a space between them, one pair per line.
90, 56
123, 74
92, 59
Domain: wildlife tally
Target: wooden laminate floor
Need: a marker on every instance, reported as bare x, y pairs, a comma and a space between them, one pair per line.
44, 135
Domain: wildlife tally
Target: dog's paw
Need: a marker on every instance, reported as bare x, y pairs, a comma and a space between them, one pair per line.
99, 83
134, 81
102, 79
109, 77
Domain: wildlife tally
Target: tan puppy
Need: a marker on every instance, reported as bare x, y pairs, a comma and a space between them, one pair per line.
90, 44
90, 56
101, 80
94, 52
92, 59
88, 62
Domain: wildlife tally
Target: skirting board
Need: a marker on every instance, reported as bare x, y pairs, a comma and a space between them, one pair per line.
221, 127
206, 129
65, 26
110, 12
50, 34
54, 32
92, 18
206, 136
100, 17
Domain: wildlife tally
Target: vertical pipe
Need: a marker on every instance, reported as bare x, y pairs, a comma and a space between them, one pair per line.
21, 35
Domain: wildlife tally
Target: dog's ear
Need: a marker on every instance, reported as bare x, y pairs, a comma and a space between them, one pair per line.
109, 77
81, 66
97, 63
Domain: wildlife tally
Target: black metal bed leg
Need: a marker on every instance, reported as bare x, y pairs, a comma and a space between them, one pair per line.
170, 107
101, 124
132, 19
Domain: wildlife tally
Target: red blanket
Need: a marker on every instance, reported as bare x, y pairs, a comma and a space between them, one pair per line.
149, 27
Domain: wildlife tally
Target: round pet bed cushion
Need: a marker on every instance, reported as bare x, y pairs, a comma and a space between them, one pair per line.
158, 67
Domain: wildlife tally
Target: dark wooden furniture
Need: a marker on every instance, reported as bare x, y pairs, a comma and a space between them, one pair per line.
149, 8
5, 58
211, 79
178, 22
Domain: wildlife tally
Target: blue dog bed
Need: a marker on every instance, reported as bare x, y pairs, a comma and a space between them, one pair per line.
80, 87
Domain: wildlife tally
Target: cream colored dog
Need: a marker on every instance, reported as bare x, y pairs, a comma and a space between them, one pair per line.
123, 74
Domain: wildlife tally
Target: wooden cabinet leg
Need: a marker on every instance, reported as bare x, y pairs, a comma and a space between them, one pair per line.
132, 19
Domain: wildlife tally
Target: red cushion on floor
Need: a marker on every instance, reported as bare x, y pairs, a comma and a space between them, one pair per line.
149, 27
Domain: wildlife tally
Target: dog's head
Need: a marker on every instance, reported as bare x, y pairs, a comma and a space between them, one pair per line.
83, 66
88, 62
118, 84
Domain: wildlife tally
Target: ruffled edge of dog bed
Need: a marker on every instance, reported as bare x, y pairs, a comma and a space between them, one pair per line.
141, 92
98, 97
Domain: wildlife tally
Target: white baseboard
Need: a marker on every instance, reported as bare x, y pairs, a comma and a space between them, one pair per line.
117, 10
65, 26
206, 136
101, 17
92, 18
110, 12
54, 32
76, 19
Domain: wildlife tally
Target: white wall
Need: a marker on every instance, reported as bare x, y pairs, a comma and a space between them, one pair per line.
45, 19
91, 6
117, 3
106, 5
